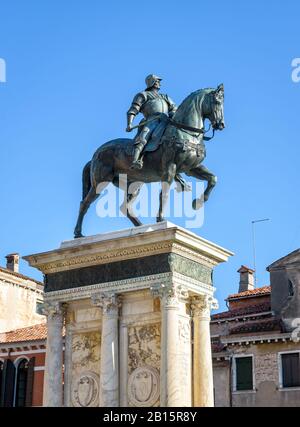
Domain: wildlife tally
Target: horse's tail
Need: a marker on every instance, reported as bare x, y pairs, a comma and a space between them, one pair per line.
86, 180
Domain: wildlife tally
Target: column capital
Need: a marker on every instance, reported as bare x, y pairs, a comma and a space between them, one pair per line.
109, 302
201, 305
171, 295
53, 309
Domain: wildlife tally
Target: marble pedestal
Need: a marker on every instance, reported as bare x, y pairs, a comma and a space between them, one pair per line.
134, 307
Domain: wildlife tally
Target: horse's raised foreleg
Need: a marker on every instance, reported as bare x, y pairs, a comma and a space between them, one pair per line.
165, 191
201, 172
133, 191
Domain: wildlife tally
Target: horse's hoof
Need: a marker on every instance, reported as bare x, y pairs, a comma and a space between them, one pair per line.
160, 219
78, 235
197, 204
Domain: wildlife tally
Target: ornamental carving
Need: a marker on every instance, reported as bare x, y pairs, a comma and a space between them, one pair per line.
85, 390
184, 331
109, 302
86, 351
143, 386
202, 305
170, 294
53, 309
144, 346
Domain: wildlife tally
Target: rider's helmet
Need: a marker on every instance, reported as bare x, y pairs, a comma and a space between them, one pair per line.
151, 79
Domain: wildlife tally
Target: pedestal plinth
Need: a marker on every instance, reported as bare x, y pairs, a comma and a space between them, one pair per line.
136, 307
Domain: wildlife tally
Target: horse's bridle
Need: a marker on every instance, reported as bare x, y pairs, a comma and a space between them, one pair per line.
192, 129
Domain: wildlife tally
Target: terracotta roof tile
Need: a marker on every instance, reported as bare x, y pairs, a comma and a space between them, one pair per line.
218, 347
261, 326
253, 309
32, 333
266, 290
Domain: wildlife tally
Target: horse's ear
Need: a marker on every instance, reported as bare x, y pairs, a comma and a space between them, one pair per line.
220, 88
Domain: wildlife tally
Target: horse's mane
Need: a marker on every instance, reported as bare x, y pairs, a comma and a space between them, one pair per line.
196, 96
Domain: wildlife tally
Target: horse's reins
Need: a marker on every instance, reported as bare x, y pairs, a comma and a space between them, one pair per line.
192, 129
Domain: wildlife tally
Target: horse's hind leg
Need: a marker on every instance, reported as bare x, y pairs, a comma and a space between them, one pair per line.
84, 206
133, 191
201, 172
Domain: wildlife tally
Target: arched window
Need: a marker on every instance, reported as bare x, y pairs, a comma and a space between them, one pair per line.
21, 383
23, 386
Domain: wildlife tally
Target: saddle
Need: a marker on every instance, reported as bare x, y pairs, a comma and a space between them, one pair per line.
156, 136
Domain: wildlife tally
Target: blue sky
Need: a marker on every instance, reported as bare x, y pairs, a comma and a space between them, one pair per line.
72, 70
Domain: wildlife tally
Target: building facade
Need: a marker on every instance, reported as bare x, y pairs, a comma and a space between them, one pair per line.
22, 365
19, 297
22, 337
256, 344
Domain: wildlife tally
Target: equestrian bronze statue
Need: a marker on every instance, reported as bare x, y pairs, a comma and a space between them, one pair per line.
170, 141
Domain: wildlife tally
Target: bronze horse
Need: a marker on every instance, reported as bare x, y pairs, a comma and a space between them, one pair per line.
181, 150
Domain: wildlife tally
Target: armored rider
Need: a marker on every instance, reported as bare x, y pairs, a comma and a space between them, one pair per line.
152, 105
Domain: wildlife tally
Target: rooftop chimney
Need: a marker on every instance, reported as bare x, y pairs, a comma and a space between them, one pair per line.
246, 279
12, 262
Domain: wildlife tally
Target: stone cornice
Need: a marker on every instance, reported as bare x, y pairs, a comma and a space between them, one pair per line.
257, 339
129, 244
18, 280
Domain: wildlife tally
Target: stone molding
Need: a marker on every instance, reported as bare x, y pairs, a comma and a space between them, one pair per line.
128, 285
106, 257
130, 244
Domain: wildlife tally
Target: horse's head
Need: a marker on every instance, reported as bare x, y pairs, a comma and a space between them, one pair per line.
213, 107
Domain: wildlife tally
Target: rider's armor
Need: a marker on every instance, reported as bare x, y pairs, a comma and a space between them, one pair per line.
151, 104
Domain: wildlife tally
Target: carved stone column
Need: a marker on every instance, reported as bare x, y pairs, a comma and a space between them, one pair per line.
69, 322
202, 360
53, 384
109, 368
175, 373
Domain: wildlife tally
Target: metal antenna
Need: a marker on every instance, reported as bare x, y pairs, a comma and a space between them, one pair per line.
254, 246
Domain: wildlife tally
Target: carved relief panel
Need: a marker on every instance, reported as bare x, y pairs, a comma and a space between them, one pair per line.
144, 365
85, 369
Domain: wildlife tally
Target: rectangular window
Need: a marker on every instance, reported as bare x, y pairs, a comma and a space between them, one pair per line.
290, 370
244, 373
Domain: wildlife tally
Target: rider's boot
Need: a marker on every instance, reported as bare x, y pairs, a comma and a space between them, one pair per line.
137, 163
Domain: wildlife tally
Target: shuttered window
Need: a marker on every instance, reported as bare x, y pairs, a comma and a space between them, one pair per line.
290, 370
1, 370
244, 373
7, 387
30, 379
21, 383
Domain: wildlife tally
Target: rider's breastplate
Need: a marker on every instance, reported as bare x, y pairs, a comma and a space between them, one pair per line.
155, 106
